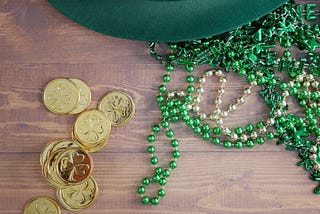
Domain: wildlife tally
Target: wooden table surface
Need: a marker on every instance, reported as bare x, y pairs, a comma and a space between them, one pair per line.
38, 44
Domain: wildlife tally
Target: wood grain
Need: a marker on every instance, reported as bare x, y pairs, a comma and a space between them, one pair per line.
38, 44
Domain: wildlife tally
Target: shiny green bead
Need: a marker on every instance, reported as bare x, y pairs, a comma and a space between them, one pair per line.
315, 95
188, 98
283, 86
151, 149
165, 114
175, 118
260, 140
309, 116
166, 173
162, 181
196, 122
190, 79
189, 122
166, 78
293, 91
182, 108
270, 135
238, 131
173, 164
190, 89
280, 130
169, 133
163, 107
216, 130
250, 128
184, 113
189, 68
216, 140
154, 160
160, 99
206, 136
169, 104
175, 154
197, 130
260, 124
261, 80
156, 178
281, 119
174, 143
303, 94
145, 200
156, 128
297, 84
161, 192
145, 181
173, 46
227, 144
154, 201
177, 103
313, 122
162, 88
250, 143
164, 123
238, 144
251, 77
171, 56
141, 189
205, 128
317, 132
287, 53
151, 138
169, 67
158, 170
242, 72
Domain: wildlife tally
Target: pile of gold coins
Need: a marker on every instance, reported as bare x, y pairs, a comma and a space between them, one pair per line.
66, 163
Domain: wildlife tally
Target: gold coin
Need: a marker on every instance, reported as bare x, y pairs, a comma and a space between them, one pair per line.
41, 205
61, 96
90, 128
73, 166
49, 173
54, 146
85, 96
67, 167
118, 107
93, 148
78, 197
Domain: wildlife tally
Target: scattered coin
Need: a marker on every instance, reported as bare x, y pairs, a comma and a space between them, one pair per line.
61, 96
118, 106
78, 197
85, 96
41, 205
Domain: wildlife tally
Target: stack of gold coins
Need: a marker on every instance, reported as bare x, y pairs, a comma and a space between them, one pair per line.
92, 129
66, 163
68, 167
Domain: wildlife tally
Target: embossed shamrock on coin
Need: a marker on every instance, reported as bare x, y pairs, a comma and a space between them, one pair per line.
118, 106
92, 129
61, 96
41, 205
78, 197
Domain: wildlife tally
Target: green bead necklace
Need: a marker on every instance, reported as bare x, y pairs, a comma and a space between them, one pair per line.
249, 51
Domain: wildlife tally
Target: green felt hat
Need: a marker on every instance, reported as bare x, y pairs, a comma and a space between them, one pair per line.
164, 20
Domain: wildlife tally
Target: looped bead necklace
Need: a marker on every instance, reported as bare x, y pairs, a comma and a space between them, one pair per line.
249, 52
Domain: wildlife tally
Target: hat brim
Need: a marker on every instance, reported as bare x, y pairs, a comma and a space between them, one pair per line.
164, 20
